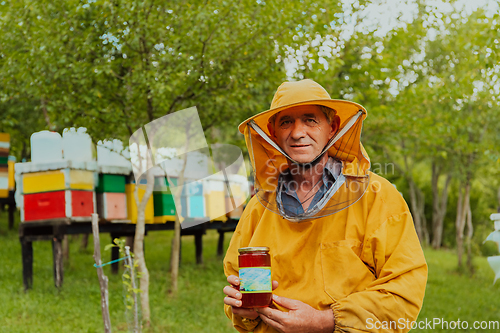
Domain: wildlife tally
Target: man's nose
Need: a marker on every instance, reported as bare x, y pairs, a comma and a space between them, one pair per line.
298, 130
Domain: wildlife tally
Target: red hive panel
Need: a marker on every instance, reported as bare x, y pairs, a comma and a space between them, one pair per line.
82, 203
42, 206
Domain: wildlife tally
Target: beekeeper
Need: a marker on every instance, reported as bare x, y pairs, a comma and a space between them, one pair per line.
345, 256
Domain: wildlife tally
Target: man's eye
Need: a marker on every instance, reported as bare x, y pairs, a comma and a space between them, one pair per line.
285, 122
311, 121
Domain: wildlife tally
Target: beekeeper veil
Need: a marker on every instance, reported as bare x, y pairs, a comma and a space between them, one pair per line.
269, 160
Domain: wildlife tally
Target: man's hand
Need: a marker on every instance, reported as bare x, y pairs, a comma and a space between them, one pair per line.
233, 298
301, 318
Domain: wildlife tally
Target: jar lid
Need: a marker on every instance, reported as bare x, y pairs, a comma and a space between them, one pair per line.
253, 249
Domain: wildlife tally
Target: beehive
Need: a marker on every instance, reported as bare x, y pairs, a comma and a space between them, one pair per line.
214, 190
112, 206
111, 183
132, 207
57, 204
60, 189
4, 169
11, 181
164, 206
111, 197
47, 181
192, 200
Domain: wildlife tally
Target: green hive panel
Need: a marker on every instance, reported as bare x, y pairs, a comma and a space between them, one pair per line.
4, 160
111, 183
163, 204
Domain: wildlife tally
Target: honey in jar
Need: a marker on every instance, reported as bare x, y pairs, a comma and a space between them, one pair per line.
255, 277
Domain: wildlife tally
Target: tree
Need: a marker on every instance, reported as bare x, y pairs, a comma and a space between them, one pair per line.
472, 99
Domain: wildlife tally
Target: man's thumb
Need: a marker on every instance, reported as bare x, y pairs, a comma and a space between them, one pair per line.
288, 303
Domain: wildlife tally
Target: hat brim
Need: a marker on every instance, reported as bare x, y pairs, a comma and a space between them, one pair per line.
345, 110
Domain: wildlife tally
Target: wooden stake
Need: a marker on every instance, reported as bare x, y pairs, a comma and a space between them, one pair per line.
103, 279
130, 263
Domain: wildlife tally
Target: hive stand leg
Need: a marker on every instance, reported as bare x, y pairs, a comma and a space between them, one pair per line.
58, 261
27, 254
129, 241
198, 236
65, 249
220, 244
85, 242
12, 208
115, 254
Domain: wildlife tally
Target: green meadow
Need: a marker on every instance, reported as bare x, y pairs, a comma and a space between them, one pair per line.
198, 306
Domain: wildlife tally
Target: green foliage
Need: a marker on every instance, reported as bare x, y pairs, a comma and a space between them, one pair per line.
489, 249
113, 66
132, 293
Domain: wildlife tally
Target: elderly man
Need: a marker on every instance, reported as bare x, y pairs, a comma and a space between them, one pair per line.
344, 253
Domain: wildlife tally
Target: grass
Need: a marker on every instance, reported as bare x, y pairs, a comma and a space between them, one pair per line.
451, 296
76, 307
198, 305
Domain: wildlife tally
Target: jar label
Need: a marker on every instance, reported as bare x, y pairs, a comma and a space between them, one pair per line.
255, 280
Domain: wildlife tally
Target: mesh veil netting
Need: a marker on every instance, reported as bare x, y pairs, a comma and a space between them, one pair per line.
268, 161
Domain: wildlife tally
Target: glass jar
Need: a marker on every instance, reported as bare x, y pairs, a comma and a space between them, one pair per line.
255, 277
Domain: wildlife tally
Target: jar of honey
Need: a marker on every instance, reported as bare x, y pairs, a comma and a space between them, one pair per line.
255, 277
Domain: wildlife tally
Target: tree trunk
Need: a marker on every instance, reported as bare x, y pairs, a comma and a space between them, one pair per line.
470, 232
423, 220
176, 244
416, 209
459, 226
139, 245
417, 198
463, 198
439, 204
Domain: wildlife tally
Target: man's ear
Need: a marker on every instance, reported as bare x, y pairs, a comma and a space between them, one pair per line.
335, 126
270, 128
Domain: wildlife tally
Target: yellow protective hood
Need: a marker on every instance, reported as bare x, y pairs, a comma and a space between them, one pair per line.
268, 162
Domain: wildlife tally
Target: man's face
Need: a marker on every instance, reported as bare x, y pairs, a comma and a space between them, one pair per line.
302, 132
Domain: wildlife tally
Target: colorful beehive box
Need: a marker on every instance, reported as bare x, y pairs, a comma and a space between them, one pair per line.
192, 200
111, 197
111, 183
112, 206
56, 184
164, 206
12, 182
4, 168
214, 190
132, 207
58, 204
4, 184
45, 193
48, 181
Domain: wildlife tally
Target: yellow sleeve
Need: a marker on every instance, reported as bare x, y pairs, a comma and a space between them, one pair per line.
393, 300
